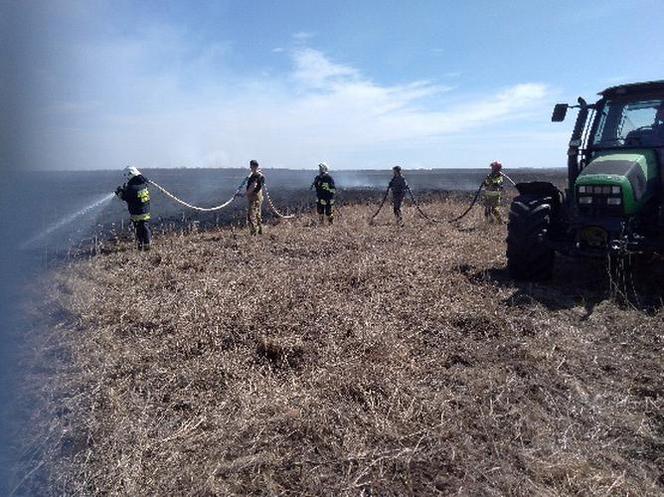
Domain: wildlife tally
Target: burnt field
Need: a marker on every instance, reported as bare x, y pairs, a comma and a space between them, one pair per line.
347, 360
56, 195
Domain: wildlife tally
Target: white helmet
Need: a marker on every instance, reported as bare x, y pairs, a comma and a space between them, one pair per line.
322, 167
130, 172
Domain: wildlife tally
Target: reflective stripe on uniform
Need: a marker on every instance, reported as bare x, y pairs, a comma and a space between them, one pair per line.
143, 195
140, 217
494, 183
491, 199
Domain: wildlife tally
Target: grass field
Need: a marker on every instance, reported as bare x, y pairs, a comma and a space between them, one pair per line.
348, 360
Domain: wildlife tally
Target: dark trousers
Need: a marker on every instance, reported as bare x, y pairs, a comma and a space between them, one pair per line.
397, 201
324, 206
143, 234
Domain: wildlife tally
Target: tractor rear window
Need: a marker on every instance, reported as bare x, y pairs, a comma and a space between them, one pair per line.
630, 124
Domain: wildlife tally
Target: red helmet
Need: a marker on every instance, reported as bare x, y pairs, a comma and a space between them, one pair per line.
496, 166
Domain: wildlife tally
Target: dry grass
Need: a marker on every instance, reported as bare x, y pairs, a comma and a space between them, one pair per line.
345, 360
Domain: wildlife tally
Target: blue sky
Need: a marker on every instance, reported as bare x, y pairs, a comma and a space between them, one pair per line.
292, 83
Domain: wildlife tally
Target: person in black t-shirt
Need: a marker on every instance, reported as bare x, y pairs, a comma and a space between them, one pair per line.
255, 183
399, 187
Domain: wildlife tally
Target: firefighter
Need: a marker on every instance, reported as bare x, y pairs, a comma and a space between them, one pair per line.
493, 187
135, 192
255, 182
399, 187
325, 190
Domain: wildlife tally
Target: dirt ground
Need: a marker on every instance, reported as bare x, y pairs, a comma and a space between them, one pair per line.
347, 360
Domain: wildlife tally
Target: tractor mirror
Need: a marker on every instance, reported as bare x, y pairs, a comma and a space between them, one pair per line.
559, 113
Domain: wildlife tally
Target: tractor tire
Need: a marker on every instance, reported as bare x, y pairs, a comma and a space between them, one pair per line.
529, 258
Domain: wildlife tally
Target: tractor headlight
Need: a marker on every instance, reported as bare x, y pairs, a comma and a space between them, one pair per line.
614, 201
585, 200
616, 190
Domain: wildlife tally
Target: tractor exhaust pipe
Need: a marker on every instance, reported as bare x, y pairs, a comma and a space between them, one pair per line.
575, 143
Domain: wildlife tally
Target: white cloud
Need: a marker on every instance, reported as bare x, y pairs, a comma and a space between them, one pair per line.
191, 110
303, 36
314, 69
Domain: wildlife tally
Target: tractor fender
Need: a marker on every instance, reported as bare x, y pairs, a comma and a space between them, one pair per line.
543, 188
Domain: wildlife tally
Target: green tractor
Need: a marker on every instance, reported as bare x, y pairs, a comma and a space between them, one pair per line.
613, 205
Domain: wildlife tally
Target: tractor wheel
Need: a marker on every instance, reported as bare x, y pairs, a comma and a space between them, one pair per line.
528, 257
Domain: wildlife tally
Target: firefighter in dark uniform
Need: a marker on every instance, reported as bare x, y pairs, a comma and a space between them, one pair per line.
135, 192
399, 187
255, 182
493, 188
325, 190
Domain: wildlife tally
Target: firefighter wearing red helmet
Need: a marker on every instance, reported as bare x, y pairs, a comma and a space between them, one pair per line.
493, 188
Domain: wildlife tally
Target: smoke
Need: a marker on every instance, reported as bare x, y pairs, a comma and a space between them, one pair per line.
353, 179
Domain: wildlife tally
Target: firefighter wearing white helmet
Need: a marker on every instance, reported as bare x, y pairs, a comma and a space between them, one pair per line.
130, 172
325, 190
135, 192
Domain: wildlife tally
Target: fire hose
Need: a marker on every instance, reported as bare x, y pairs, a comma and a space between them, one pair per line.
424, 215
472, 204
477, 196
382, 202
412, 198
417, 206
194, 207
508, 178
221, 206
273, 208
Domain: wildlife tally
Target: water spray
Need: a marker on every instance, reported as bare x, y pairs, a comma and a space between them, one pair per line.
66, 220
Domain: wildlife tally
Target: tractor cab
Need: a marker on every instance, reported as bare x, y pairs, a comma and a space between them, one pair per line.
617, 182
624, 150
614, 200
